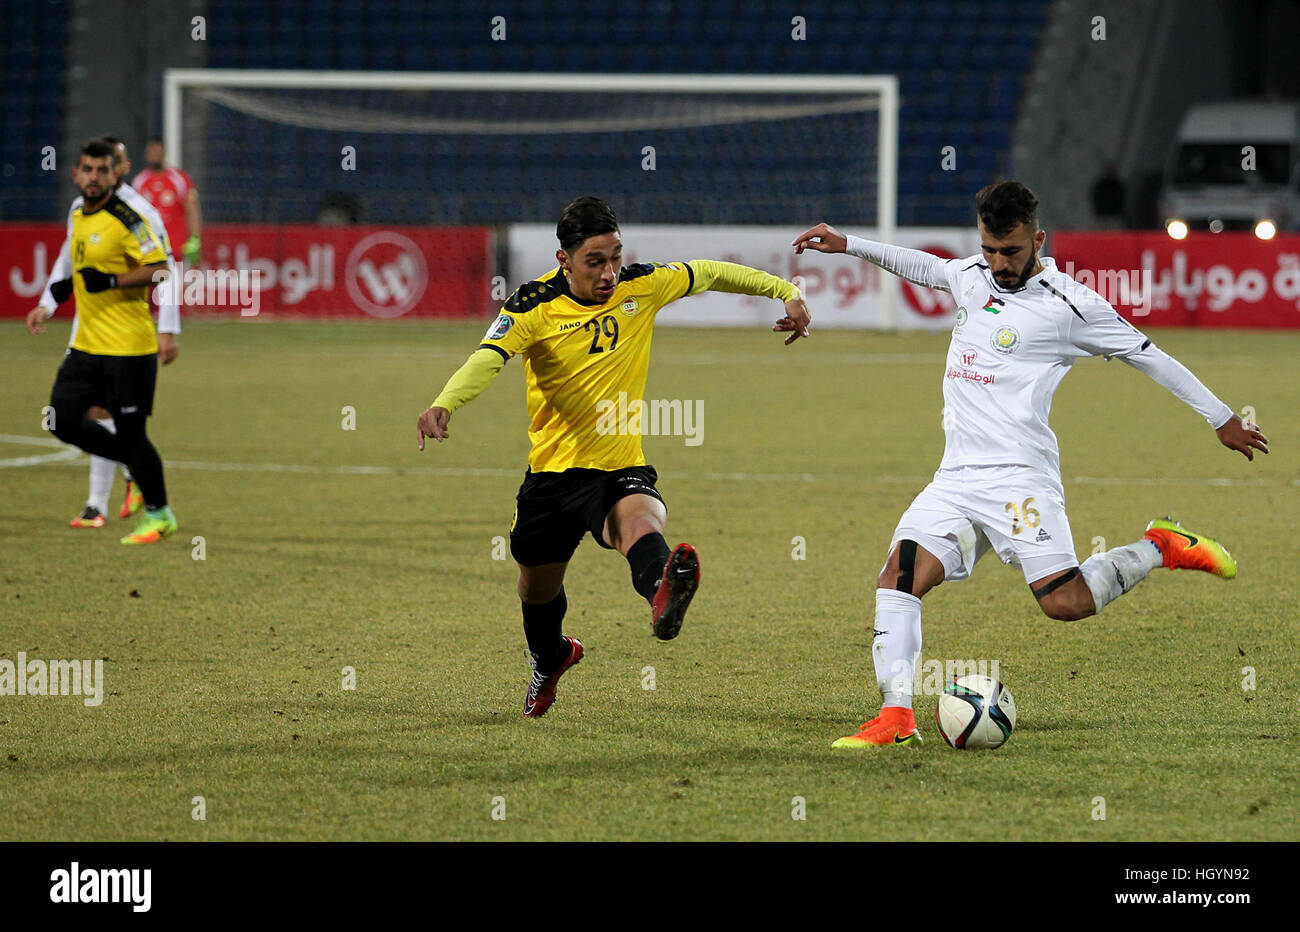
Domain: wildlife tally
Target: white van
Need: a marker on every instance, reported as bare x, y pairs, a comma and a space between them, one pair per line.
1213, 182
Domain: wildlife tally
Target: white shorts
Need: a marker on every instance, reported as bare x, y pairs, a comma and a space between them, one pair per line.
1016, 511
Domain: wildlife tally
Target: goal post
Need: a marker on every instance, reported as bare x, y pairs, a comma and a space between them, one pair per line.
336, 101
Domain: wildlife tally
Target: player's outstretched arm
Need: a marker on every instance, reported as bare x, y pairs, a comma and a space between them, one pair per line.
731, 277
1163, 369
466, 384
919, 268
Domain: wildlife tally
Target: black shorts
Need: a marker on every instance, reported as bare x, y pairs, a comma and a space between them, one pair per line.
122, 384
556, 508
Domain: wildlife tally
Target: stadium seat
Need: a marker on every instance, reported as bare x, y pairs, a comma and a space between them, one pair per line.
945, 80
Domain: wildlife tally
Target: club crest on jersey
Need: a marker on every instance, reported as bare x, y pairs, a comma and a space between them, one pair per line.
962, 314
629, 307
1005, 339
994, 305
500, 327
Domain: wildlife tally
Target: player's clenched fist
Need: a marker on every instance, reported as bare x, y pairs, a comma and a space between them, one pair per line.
795, 322
433, 423
823, 238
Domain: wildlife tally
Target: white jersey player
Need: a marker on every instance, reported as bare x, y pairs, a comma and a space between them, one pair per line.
1021, 324
169, 325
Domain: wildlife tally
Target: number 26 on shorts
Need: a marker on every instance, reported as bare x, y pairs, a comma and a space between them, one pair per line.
1023, 516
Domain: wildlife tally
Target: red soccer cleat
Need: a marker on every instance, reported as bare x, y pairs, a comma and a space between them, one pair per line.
541, 691
676, 589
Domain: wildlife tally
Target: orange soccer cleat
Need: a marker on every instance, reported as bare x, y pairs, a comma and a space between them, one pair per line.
1186, 550
91, 517
894, 726
133, 502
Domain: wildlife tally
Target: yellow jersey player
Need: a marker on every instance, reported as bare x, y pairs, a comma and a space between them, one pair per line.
59, 288
113, 360
584, 330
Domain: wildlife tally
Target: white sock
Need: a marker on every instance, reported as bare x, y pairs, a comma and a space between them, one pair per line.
101, 473
1111, 574
897, 645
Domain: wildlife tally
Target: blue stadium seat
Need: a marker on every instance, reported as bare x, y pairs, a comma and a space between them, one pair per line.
944, 76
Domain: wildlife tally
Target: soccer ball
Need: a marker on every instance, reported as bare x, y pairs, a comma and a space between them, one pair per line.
975, 712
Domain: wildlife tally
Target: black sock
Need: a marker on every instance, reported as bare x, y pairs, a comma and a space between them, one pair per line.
647, 558
542, 627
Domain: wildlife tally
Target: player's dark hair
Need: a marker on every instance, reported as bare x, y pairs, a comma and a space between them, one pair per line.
1002, 205
586, 217
113, 140
98, 149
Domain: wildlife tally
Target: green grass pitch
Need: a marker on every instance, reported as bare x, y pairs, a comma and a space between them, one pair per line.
329, 548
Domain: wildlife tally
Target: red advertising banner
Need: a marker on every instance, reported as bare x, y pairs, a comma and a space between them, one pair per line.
27, 253
1205, 280
302, 271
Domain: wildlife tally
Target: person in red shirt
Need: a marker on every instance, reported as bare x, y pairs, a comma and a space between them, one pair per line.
172, 192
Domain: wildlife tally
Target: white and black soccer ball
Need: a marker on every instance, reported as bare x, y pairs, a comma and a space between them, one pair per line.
975, 712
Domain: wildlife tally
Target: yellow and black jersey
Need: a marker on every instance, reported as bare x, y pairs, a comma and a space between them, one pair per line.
585, 363
114, 239
579, 357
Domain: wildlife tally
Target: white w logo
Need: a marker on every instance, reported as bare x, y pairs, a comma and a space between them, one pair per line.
390, 283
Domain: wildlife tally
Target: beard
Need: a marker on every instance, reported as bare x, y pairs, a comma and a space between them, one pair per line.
101, 194
1025, 274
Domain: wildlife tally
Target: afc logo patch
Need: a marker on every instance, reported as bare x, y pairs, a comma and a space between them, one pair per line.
500, 327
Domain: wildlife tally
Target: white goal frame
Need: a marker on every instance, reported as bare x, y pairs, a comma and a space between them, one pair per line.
175, 80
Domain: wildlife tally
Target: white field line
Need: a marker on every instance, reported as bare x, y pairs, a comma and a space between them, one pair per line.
67, 456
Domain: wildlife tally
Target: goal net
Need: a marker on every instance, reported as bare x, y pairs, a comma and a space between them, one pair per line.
427, 150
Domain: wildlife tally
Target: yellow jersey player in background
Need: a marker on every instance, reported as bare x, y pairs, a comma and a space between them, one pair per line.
584, 330
113, 360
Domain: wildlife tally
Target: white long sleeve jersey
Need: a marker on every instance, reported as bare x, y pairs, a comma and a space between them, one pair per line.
169, 315
1011, 349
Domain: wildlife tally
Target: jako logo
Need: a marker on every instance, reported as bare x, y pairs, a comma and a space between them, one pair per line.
386, 274
77, 885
